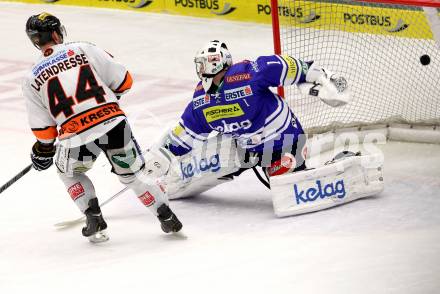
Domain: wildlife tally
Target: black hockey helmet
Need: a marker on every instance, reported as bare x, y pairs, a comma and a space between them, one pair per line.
40, 27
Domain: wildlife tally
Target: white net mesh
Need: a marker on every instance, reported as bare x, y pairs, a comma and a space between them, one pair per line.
378, 48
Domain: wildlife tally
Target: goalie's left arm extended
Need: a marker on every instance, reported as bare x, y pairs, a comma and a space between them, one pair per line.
312, 79
330, 87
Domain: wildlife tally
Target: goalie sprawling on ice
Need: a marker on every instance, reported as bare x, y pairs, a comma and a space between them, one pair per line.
256, 127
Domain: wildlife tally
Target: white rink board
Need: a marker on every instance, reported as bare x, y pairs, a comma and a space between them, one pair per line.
385, 244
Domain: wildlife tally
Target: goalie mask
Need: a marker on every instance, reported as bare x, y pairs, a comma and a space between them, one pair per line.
40, 27
210, 60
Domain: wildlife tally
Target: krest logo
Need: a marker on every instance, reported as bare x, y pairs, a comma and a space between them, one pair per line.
197, 167
238, 93
320, 191
212, 5
214, 113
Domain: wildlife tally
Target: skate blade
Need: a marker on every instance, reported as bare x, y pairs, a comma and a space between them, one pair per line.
180, 235
99, 237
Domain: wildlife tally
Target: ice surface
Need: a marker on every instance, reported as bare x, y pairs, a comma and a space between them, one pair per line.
384, 244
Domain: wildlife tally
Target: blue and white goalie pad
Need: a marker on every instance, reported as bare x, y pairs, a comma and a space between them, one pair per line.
335, 183
197, 171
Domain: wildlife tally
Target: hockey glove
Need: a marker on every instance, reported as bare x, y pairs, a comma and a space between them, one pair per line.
42, 155
331, 88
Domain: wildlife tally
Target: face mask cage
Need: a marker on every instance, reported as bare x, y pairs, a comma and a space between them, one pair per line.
200, 66
206, 63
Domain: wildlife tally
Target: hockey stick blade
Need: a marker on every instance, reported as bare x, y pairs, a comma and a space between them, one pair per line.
67, 224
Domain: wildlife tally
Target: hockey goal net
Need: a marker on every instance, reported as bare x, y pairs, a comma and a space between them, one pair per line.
386, 50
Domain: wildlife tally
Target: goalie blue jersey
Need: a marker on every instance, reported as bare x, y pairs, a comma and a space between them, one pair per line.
244, 107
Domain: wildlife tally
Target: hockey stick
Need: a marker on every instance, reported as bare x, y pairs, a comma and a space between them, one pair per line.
70, 223
263, 181
79, 220
16, 178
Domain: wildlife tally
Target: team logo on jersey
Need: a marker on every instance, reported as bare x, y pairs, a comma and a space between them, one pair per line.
319, 190
84, 121
233, 127
71, 126
48, 52
222, 111
201, 100
238, 93
238, 78
59, 57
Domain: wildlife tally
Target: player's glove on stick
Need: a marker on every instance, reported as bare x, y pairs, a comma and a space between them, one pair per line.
42, 155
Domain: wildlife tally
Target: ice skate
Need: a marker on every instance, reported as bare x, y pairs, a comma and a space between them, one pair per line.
95, 223
169, 221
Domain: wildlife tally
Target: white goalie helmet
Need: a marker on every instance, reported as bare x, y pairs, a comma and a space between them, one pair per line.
210, 60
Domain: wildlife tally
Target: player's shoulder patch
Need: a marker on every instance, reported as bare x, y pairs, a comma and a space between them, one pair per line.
238, 77
239, 72
201, 100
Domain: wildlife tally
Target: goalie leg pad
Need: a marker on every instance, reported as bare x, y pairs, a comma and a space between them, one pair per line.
338, 182
203, 168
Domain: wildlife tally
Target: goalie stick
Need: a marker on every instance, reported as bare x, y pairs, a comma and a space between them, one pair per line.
70, 223
16, 178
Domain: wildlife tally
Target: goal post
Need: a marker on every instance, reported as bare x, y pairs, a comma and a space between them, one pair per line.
386, 50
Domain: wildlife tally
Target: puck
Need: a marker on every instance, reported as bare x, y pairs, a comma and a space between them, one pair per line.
425, 59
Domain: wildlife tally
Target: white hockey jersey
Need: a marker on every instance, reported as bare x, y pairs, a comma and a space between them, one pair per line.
71, 93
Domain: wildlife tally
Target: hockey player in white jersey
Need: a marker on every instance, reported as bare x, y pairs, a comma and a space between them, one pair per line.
72, 94
257, 127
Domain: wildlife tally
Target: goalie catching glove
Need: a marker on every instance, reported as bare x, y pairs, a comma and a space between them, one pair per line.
330, 87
